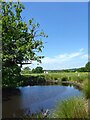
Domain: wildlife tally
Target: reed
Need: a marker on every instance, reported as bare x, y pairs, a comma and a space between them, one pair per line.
71, 108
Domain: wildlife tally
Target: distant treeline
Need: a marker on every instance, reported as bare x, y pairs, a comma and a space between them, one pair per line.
39, 69
82, 69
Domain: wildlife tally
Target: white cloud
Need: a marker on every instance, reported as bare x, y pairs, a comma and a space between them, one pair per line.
85, 56
64, 61
62, 57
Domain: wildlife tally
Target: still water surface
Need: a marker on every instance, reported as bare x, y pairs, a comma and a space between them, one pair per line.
35, 98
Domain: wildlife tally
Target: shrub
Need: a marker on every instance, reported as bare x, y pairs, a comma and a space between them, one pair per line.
64, 79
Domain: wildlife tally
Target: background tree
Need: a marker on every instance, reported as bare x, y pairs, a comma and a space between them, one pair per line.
38, 70
26, 70
82, 69
20, 42
87, 66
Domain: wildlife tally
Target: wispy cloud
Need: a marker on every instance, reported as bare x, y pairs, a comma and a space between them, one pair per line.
63, 61
64, 57
85, 56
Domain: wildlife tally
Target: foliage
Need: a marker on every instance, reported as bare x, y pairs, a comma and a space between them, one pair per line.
84, 69
11, 76
26, 70
37, 70
33, 80
64, 79
21, 41
72, 108
87, 66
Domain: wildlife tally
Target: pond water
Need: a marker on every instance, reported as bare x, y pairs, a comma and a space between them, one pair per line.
35, 98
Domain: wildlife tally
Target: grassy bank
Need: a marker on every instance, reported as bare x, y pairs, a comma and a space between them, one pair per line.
72, 108
58, 76
40, 79
75, 77
75, 107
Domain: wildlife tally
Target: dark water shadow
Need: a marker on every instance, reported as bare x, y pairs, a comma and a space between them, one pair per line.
7, 93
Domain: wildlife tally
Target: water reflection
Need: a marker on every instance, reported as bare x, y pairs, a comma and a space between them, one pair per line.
35, 98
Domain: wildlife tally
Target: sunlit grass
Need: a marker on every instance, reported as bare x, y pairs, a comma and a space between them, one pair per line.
86, 88
71, 108
71, 76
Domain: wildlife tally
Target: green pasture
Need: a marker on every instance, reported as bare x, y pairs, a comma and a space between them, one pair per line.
69, 76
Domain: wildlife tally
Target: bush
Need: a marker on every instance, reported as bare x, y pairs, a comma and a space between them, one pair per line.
64, 79
33, 80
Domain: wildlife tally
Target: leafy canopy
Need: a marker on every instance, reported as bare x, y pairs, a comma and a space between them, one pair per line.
21, 41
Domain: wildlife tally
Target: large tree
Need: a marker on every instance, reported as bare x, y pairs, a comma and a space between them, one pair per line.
21, 42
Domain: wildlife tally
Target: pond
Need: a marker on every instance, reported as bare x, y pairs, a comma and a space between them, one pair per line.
35, 98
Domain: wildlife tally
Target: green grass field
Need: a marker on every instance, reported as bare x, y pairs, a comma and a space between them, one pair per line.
70, 76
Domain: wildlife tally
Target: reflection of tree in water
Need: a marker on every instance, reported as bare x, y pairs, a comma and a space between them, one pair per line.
76, 86
7, 93
65, 84
27, 100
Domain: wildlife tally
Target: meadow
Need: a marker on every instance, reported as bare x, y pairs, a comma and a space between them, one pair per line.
78, 77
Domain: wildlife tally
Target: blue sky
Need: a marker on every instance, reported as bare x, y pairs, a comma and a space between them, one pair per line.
66, 24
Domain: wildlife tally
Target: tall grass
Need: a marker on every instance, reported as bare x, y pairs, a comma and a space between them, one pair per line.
71, 108
86, 88
71, 76
75, 107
